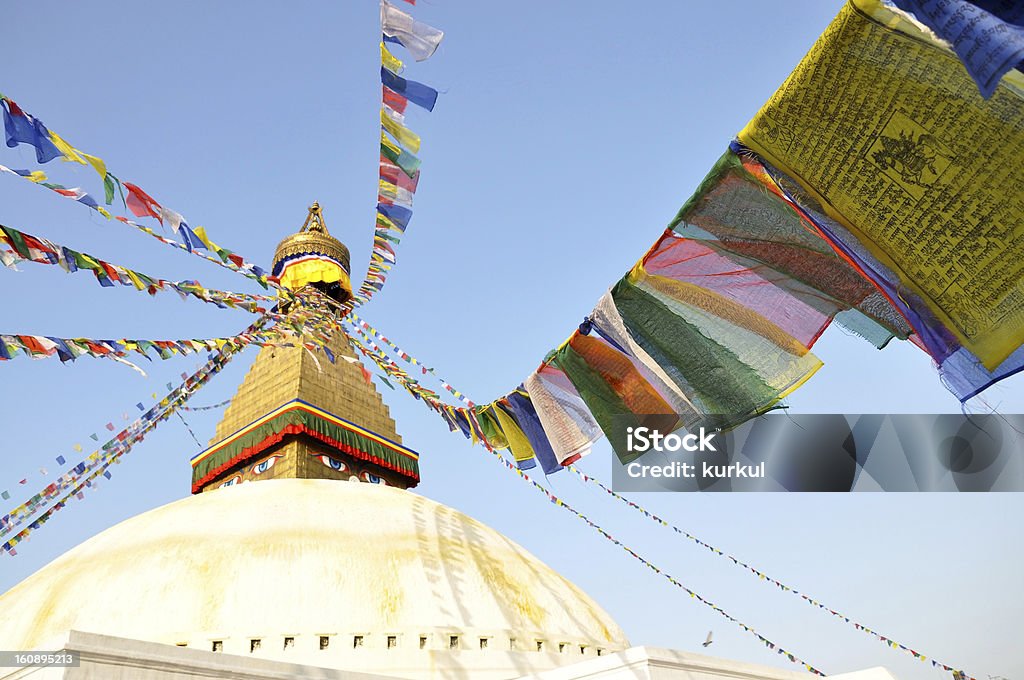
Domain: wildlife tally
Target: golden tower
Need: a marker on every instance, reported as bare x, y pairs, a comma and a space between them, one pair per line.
302, 417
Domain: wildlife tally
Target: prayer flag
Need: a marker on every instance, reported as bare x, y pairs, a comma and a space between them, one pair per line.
418, 93
142, 204
987, 36
21, 128
393, 123
393, 100
420, 39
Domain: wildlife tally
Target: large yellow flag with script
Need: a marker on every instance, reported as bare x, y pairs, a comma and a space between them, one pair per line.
882, 124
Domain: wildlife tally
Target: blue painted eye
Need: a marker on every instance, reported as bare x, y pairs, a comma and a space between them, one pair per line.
232, 482
264, 465
333, 463
374, 479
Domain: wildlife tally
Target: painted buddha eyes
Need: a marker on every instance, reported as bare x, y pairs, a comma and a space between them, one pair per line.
333, 463
264, 465
373, 479
231, 482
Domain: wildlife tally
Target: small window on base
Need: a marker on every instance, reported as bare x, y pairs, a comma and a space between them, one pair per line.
540, 645
217, 646
289, 642
254, 644
483, 643
357, 641
423, 642
392, 641
453, 642
325, 641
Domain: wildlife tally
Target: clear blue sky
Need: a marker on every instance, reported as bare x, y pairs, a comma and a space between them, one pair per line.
566, 136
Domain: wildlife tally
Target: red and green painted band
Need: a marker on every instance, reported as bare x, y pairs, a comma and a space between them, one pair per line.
300, 418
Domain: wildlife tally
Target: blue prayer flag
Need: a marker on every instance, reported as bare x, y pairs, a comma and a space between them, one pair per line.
418, 93
987, 35
399, 215
20, 128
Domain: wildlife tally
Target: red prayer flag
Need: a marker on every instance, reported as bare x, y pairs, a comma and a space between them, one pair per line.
392, 173
140, 203
110, 426
394, 100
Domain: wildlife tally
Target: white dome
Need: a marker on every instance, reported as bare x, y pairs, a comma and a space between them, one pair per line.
369, 568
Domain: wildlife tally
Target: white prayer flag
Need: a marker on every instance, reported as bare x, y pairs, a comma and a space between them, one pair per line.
420, 39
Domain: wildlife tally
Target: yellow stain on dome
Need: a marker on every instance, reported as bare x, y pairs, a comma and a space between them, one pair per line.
297, 556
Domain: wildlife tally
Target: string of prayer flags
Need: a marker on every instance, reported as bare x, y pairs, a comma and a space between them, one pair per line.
913, 191
22, 128
987, 35
81, 476
365, 328
306, 324
505, 424
25, 246
70, 349
399, 166
761, 575
206, 408
225, 258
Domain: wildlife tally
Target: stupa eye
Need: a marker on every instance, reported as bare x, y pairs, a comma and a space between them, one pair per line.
231, 482
374, 479
333, 463
264, 465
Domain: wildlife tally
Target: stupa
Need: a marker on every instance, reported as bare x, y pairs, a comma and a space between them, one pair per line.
329, 567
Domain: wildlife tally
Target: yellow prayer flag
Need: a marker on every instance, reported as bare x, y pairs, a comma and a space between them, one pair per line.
384, 222
390, 61
883, 127
386, 141
201, 233
518, 443
136, 281
37, 176
406, 137
98, 165
70, 152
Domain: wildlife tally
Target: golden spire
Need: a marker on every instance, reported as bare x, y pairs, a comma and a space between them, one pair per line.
313, 256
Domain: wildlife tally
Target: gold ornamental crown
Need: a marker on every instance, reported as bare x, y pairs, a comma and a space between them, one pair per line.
313, 238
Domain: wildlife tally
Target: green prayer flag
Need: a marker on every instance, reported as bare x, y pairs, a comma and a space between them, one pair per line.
405, 160
108, 189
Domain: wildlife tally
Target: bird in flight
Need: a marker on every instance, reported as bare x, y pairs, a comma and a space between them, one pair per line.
708, 641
